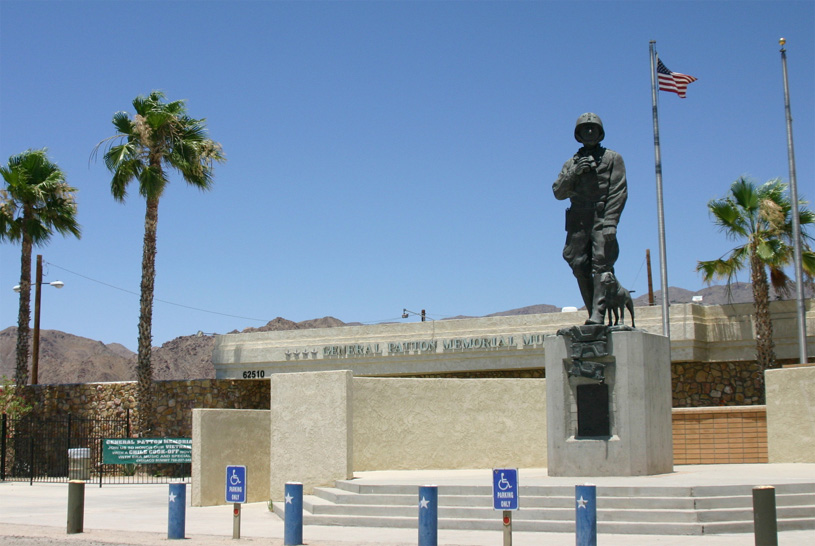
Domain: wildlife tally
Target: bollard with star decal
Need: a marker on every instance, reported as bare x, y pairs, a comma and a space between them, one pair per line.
586, 514
293, 519
177, 512
428, 515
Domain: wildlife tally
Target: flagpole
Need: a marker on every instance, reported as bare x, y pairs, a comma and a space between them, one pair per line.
663, 260
796, 224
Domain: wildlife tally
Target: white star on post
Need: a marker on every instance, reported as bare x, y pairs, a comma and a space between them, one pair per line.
289, 498
581, 502
423, 503
172, 497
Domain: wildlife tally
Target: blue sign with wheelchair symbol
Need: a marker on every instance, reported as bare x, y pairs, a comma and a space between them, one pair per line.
235, 484
505, 489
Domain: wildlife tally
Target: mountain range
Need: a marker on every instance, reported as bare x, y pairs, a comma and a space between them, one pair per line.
66, 358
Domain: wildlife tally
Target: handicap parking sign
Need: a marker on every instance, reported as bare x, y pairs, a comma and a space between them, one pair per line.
235, 484
505, 489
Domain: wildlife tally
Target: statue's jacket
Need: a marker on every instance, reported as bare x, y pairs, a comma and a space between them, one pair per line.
599, 194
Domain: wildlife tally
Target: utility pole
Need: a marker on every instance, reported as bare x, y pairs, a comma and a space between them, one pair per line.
650, 279
35, 344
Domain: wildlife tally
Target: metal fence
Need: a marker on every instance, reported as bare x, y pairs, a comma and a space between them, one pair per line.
33, 449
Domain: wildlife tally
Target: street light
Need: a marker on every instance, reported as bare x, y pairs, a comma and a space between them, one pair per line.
55, 284
407, 312
35, 343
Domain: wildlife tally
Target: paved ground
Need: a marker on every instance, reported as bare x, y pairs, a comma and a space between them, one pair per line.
137, 514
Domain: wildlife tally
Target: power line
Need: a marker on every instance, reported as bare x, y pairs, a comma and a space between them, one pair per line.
395, 319
638, 272
156, 299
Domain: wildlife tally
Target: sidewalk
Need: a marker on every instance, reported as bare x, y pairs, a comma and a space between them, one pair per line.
137, 514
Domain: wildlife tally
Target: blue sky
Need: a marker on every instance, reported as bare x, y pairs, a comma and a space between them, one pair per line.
389, 155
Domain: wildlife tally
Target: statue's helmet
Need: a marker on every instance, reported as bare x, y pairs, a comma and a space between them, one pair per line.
586, 119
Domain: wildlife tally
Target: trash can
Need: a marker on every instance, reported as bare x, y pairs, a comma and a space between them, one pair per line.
79, 463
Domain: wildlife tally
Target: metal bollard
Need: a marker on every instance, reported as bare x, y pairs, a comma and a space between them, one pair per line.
236, 520
428, 515
293, 522
765, 525
76, 506
177, 512
586, 514
507, 528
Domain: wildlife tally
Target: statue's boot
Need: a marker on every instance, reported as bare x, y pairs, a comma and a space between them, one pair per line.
586, 285
598, 308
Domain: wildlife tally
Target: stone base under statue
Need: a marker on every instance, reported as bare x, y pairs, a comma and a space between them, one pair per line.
608, 398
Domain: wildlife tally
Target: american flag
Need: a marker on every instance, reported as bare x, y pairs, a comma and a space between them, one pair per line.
673, 82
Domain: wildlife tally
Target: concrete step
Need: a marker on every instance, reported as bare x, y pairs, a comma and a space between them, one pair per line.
746, 501
495, 524
320, 507
620, 510
746, 514
567, 491
341, 496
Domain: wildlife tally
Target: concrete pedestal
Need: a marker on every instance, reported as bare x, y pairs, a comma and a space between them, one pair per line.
638, 378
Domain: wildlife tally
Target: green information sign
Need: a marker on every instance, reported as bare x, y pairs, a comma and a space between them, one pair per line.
146, 450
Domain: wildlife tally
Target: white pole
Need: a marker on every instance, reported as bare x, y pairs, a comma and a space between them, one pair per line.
663, 260
796, 223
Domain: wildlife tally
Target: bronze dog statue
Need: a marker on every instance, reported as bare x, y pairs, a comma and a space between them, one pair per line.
617, 298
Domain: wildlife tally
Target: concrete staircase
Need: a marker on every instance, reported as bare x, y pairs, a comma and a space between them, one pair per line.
660, 510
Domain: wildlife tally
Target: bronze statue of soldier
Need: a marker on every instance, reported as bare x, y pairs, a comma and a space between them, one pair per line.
594, 181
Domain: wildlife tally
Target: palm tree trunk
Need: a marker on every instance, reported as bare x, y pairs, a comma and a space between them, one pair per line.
144, 367
24, 316
765, 346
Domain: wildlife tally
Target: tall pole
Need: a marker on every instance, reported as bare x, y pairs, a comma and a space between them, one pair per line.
650, 278
35, 344
796, 223
663, 260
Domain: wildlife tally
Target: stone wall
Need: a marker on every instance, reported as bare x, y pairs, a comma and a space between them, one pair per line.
175, 400
704, 384
693, 384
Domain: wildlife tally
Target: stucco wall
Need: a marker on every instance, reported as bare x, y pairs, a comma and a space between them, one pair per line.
448, 423
229, 437
311, 435
791, 415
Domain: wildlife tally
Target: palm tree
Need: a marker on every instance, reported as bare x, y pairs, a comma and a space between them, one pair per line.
760, 219
159, 136
35, 202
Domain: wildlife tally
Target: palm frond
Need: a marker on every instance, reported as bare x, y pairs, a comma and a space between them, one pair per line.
36, 200
745, 194
806, 218
727, 217
122, 123
160, 135
723, 268
152, 182
117, 155
808, 262
125, 172
780, 281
